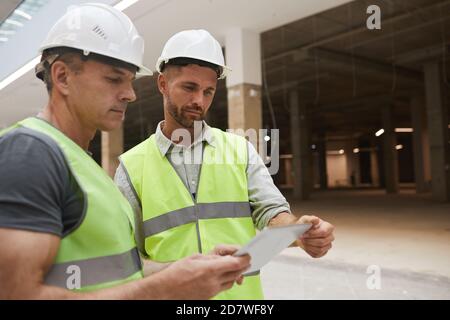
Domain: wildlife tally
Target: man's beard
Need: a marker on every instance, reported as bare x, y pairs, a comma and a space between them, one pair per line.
180, 116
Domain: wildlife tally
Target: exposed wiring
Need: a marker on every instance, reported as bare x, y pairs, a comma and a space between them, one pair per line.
394, 67
316, 63
269, 103
284, 69
352, 54
444, 50
141, 122
266, 90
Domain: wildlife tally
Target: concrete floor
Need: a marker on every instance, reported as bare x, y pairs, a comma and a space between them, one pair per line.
406, 237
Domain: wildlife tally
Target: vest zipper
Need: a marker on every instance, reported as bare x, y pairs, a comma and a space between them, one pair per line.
197, 214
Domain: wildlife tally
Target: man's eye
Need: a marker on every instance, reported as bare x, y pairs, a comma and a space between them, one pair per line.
189, 88
113, 80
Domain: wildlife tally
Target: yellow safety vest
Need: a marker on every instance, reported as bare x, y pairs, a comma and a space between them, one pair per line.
101, 252
175, 224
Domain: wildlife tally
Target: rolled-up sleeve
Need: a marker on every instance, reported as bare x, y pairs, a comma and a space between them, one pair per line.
265, 199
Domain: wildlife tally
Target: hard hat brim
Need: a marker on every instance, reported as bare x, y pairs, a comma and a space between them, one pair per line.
143, 72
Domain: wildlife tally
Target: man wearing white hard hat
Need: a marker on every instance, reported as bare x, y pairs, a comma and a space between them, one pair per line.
66, 231
184, 203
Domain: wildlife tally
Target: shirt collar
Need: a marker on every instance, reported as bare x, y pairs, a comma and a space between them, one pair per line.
164, 144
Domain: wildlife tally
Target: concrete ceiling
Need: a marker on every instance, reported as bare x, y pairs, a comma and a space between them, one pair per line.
6, 7
345, 72
157, 20
342, 71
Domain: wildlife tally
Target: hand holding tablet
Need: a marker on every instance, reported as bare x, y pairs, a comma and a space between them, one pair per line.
270, 242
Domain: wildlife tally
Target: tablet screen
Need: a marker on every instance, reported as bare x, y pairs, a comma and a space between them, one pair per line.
270, 242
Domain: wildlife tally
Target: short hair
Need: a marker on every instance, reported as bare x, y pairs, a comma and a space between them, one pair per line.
184, 61
74, 59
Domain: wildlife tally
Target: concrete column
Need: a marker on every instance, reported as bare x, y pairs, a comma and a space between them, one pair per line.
437, 115
322, 157
301, 150
243, 55
352, 161
374, 168
357, 169
389, 152
112, 148
288, 171
244, 107
420, 144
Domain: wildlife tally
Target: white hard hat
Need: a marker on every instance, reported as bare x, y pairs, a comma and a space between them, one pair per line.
193, 44
100, 29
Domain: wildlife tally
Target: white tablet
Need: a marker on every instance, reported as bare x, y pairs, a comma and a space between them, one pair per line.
270, 242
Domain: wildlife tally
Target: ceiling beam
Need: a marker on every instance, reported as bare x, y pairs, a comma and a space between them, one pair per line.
376, 65
397, 33
352, 32
357, 103
7, 7
294, 84
423, 54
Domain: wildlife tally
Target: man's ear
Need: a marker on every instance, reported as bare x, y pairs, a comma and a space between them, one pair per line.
60, 73
162, 84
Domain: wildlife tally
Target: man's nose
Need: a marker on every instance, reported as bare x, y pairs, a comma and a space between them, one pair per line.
128, 94
198, 99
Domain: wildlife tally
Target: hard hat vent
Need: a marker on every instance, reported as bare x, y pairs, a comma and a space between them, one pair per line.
99, 31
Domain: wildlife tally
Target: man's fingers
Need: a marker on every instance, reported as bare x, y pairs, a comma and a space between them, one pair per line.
318, 252
309, 219
225, 249
232, 276
323, 231
205, 257
318, 242
227, 285
240, 280
236, 273
226, 264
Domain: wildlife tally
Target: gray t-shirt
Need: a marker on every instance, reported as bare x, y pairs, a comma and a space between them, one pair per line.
38, 192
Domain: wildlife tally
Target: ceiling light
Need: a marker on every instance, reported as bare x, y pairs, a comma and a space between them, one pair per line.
22, 14
7, 32
122, 5
14, 22
399, 147
20, 72
356, 150
404, 130
335, 152
379, 132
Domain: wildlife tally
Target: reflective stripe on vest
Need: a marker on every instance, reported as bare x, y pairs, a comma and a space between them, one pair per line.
188, 215
95, 271
101, 248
